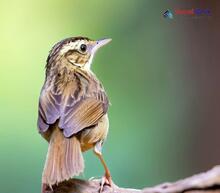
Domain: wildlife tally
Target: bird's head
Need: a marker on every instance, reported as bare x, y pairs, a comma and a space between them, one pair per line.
74, 52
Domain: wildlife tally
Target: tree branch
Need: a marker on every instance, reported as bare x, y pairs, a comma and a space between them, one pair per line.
208, 182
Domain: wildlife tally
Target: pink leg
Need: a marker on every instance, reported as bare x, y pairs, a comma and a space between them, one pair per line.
107, 177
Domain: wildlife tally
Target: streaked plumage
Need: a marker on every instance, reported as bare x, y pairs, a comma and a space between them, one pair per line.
72, 108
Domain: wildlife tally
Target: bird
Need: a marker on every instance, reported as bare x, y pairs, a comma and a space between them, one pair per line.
73, 110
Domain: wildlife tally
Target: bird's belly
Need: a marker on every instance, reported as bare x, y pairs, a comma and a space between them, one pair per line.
89, 137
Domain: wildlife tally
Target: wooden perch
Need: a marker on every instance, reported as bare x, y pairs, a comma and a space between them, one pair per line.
208, 182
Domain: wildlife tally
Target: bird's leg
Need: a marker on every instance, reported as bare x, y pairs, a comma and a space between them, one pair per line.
107, 177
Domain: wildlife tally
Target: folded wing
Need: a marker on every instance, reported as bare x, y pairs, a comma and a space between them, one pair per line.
74, 109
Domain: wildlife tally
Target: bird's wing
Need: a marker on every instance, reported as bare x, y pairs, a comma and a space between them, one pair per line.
85, 113
72, 112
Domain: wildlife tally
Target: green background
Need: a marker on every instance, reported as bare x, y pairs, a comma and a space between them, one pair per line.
145, 71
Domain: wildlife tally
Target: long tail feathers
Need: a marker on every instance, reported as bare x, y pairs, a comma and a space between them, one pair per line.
64, 159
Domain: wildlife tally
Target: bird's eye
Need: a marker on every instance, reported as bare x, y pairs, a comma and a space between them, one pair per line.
83, 48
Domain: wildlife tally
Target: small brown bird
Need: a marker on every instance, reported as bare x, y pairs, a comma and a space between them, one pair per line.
72, 110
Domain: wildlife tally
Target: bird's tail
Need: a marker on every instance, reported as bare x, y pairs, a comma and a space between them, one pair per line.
64, 159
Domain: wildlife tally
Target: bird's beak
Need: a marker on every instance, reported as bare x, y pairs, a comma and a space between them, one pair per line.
99, 43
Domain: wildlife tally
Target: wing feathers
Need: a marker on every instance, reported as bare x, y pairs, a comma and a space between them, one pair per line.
79, 105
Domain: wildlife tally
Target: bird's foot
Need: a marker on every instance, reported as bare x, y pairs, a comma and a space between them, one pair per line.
106, 180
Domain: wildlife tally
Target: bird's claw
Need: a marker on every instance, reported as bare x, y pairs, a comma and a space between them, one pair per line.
106, 180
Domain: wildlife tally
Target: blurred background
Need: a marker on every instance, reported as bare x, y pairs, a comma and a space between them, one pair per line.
161, 75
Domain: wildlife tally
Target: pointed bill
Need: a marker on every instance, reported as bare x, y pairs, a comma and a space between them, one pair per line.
99, 43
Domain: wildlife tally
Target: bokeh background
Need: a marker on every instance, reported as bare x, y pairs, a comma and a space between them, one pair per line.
161, 75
